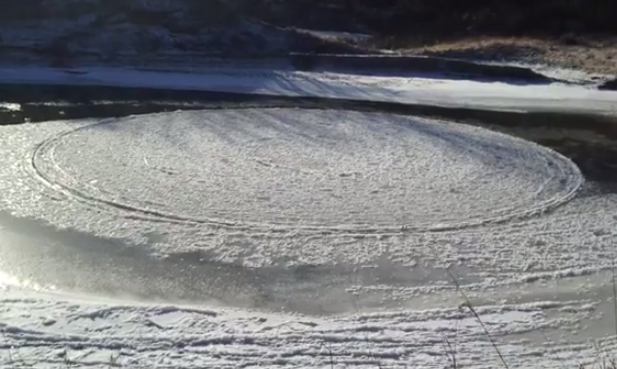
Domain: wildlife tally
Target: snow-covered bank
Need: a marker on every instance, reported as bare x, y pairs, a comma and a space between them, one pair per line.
49, 331
418, 90
9, 107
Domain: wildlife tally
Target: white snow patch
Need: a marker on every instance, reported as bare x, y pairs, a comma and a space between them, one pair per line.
10, 106
336, 35
428, 91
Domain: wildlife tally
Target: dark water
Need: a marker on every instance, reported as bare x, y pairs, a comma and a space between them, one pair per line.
79, 262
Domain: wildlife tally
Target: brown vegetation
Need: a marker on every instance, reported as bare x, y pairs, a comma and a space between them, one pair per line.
587, 54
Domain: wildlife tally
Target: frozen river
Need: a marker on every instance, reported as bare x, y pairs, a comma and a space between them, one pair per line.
357, 224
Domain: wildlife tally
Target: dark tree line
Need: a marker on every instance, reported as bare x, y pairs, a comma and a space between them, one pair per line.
447, 17
492, 16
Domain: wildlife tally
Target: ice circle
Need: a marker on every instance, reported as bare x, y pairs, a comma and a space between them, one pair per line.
305, 169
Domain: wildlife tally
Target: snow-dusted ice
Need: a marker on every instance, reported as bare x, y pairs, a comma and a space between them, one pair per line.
295, 169
262, 187
291, 187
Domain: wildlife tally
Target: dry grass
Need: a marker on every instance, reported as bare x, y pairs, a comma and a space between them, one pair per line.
590, 55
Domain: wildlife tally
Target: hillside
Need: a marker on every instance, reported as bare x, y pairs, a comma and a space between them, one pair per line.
573, 34
107, 29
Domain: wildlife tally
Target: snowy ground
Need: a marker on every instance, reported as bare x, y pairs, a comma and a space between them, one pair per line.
47, 331
531, 242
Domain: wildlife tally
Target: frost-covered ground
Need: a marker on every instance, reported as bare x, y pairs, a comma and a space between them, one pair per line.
530, 240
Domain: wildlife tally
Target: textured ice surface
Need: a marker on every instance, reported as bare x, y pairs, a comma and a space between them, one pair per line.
291, 187
262, 187
306, 169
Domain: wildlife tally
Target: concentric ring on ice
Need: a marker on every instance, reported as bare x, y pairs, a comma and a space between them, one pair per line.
308, 169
